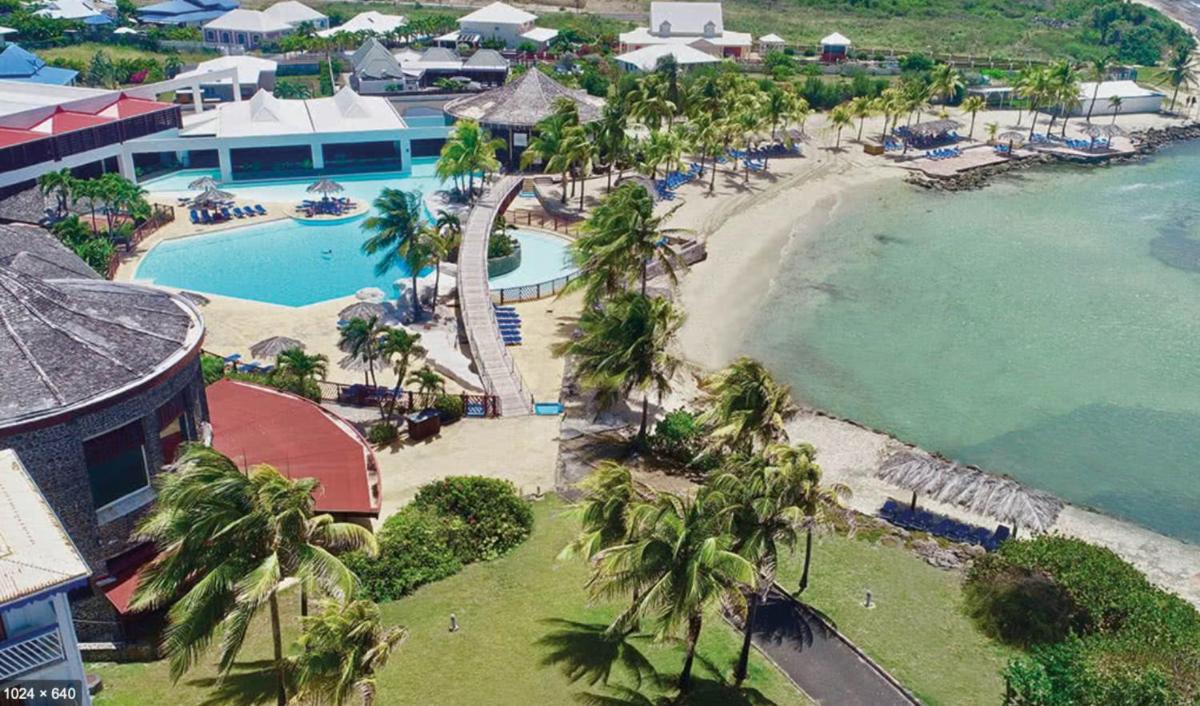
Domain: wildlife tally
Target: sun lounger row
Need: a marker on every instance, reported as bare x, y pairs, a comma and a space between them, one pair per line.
939, 525
510, 325
364, 395
202, 216
665, 187
944, 153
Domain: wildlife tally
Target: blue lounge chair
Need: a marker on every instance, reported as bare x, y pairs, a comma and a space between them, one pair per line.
258, 208
195, 217
238, 212
225, 213
232, 358
205, 218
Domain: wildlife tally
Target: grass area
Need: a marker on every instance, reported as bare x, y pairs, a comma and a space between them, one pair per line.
917, 631
84, 52
516, 613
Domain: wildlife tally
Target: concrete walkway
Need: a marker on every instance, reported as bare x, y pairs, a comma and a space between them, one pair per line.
497, 370
825, 665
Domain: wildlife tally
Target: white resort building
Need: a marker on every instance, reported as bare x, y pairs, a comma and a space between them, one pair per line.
246, 29
374, 23
1132, 98
499, 22
39, 565
250, 74
647, 58
700, 25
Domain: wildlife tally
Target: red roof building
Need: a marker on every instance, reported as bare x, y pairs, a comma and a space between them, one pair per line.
254, 425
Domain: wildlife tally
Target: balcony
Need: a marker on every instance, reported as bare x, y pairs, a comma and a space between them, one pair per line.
29, 652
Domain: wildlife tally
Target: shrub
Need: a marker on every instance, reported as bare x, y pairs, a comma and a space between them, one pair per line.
450, 408
1015, 604
485, 515
382, 433
414, 549
212, 368
501, 244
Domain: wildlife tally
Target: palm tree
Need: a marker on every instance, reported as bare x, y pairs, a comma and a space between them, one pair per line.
59, 183
1064, 91
1180, 72
860, 108
992, 129
342, 648
469, 149
778, 107
547, 146
400, 233
87, 189
360, 338
972, 105
745, 407
227, 540
1114, 102
444, 240
72, 232
399, 347
429, 383
295, 363
1037, 87
1100, 67
609, 493
945, 82
679, 562
624, 347
649, 103
579, 152
840, 118
612, 142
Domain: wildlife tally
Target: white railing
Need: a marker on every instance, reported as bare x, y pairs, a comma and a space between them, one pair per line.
26, 653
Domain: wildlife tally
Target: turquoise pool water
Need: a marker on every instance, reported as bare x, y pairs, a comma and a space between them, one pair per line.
295, 264
1047, 327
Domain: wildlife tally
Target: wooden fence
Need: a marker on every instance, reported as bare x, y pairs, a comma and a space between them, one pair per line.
159, 217
541, 219
359, 395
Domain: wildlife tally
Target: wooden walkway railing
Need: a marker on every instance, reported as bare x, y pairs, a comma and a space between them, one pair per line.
496, 367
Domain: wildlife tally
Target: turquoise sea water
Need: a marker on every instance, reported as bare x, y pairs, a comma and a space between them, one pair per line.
1047, 327
294, 264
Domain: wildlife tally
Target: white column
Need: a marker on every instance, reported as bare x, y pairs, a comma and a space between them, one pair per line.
237, 89
197, 99
125, 166
318, 156
70, 644
225, 162
406, 154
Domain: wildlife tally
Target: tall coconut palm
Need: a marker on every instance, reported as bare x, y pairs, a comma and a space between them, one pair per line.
301, 366
778, 106
580, 153
1037, 87
547, 147
609, 493
745, 408
468, 150
399, 347
679, 562
972, 105
840, 118
360, 338
88, 189
625, 347
1181, 72
227, 540
945, 82
649, 103
59, 184
611, 139
428, 382
861, 108
1063, 91
1100, 66
342, 649
1114, 102
398, 231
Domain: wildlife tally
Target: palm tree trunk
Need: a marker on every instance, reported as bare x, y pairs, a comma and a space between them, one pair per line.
712, 178
581, 185
807, 560
641, 437
971, 134
1174, 95
367, 690
743, 663
437, 280
861, 122
277, 643
563, 200
1092, 106
415, 299
695, 623
303, 598
1033, 125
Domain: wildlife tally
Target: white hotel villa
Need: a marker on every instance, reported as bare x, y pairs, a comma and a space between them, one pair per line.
46, 128
699, 25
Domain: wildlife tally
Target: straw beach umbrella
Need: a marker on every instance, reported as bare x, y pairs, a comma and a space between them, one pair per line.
361, 310
270, 348
203, 184
1012, 137
370, 294
197, 299
325, 187
971, 488
212, 195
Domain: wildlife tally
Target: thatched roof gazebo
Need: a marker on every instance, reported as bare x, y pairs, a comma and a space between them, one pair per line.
931, 128
512, 110
270, 348
969, 487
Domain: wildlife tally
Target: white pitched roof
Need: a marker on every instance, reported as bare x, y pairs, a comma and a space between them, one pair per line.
347, 111
1108, 89
686, 17
835, 40
248, 21
264, 114
646, 58
69, 9
540, 34
772, 39
248, 68
36, 554
374, 22
642, 37
498, 13
125, 30
292, 13
407, 56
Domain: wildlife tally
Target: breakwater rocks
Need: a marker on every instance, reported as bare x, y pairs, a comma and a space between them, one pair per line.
1150, 140
976, 178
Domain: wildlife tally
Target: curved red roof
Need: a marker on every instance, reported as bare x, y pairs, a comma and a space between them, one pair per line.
253, 425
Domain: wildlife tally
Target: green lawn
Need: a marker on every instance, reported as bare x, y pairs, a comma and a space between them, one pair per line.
917, 630
516, 613
85, 51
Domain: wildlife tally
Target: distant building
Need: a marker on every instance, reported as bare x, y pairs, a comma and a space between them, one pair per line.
252, 72
40, 566
700, 25
190, 13
17, 64
376, 70
647, 58
770, 43
374, 23
89, 12
1134, 98
834, 48
499, 22
246, 29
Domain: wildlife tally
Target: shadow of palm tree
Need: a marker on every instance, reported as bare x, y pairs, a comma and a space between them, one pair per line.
710, 690
248, 683
781, 618
585, 653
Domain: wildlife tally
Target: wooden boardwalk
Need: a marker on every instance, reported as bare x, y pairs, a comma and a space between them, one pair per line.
496, 367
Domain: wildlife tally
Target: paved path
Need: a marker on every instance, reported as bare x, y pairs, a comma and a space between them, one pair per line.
496, 368
827, 668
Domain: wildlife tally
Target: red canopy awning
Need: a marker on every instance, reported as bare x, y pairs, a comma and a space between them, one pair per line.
254, 425
123, 574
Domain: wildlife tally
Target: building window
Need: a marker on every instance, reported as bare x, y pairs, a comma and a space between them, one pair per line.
116, 463
241, 38
225, 37
211, 35
174, 427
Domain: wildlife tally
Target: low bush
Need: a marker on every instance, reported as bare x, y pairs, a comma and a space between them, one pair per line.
678, 439
450, 523
382, 433
212, 368
450, 408
486, 515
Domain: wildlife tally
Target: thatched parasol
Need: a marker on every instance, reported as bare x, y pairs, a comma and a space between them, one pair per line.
930, 128
211, 195
270, 348
203, 184
1011, 136
361, 310
1091, 130
969, 487
1112, 131
325, 187
197, 299
370, 294
524, 102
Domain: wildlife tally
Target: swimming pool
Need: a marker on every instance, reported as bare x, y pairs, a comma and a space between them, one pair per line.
296, 264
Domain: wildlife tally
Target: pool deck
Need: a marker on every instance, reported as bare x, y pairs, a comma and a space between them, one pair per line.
496, 367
